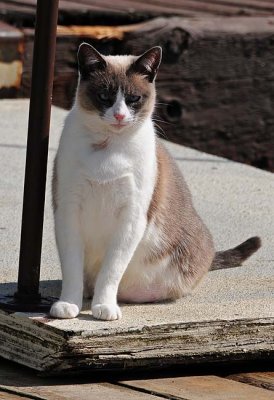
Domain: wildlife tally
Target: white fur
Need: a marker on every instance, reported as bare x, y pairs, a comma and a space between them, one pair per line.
101, 218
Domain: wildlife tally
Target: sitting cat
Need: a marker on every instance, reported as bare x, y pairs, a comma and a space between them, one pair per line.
125, 224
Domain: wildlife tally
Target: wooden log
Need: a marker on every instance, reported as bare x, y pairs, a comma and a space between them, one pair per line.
22, 12
215, 85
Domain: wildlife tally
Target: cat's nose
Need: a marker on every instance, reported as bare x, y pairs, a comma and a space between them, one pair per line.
119, 117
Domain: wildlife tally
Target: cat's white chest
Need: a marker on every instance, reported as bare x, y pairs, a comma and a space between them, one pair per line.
103, 166
101, 207
108, 187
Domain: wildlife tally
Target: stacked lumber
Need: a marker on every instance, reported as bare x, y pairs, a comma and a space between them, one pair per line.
215, 85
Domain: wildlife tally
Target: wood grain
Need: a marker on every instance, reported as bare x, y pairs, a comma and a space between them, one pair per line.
54, 350
201, 387
11, 396
17, 381
154, 7
261, 379
22, 381
83, 391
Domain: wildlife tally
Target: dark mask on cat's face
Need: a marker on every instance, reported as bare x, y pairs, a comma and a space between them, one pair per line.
120, 89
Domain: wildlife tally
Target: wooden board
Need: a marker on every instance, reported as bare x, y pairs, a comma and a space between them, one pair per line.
200, 387
90, 391
141, 9
17, 381
11, 396
59, 346
261, 379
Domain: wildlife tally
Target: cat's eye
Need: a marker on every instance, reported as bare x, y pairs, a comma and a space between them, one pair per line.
103, 96
131, 98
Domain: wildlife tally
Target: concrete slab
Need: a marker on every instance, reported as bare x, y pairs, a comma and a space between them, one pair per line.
230, 315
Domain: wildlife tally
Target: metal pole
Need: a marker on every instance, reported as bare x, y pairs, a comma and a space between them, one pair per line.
37, 151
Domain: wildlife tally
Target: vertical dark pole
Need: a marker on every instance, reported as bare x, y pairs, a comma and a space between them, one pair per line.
37, 151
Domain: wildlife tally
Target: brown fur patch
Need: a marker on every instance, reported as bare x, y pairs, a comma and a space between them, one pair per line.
185, 238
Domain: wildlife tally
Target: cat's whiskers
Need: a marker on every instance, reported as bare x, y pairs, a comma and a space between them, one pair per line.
158, 119
160, 131
160, 104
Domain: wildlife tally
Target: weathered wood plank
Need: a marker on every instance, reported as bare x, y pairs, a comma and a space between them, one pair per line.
83, 391
157, 7
11, 396
57, 346
261, 379
23, 381
200, 387
89, 12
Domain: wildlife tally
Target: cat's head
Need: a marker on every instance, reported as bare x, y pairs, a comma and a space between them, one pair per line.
118, 91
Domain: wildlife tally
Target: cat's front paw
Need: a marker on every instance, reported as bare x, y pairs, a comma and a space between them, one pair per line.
108, 312
63, 309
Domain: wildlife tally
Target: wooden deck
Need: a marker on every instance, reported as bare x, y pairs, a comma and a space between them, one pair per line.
17, 382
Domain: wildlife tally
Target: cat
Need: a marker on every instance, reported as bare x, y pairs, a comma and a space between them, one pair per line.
125, 225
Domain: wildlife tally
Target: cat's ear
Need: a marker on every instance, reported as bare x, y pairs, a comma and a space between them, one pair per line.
89, 60
148, 63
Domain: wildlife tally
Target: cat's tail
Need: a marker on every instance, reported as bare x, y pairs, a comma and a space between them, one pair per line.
235, 257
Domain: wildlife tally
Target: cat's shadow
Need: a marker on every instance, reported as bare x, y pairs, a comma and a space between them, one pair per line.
89, 317
52, 289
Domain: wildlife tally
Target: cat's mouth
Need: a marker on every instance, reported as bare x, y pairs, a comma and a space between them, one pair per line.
118, 126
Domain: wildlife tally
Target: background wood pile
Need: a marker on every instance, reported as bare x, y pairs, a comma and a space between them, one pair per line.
107, 12
216, 83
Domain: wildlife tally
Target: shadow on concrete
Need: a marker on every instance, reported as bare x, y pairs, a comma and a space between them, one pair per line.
48, 288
